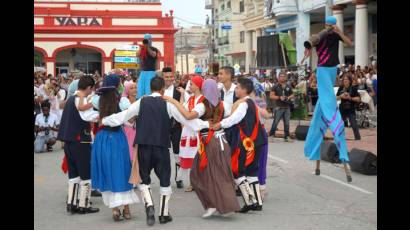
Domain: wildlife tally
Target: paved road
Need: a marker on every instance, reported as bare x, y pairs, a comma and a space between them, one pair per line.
297, 199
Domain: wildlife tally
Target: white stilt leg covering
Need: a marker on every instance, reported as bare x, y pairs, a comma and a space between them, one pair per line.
256, 189
146, 195
165, 194
85, 194
245, 193
73, 187
252, 192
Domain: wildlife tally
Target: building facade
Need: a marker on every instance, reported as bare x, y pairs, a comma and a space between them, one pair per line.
192, 47
82, 35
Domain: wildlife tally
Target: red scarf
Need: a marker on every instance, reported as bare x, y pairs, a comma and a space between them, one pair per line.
203, 143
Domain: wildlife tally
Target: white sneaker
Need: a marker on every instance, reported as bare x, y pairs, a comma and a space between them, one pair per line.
209, 212
227, 214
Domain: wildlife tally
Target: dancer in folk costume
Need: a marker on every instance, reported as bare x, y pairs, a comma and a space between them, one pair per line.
211, 174
110, 162
154, 117
128, 97
75, 132
176, 128
326, 114
258, 96
194, 108
245, 159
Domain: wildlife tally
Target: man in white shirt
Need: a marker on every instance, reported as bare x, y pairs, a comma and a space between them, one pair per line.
45, 125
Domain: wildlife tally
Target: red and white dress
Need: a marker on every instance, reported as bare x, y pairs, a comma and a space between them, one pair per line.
189, 144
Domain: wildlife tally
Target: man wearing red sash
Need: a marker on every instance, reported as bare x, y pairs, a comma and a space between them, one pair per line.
245, 159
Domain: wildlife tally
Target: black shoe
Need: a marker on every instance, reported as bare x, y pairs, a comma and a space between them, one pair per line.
150, 215
87, 210
165, 219
72, 208
180, 184
257, 208
246, 208
95, 193
349, 178
238, 192
317, 172
49, 149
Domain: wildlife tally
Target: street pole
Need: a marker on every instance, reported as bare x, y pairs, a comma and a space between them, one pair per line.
329, 5
182, 60
186, 57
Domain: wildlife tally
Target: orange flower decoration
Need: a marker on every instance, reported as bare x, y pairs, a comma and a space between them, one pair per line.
248, 144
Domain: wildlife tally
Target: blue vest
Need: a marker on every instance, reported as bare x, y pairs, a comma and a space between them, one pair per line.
72, 128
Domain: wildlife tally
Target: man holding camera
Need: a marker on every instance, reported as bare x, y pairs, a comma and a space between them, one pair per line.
148, 56
282, 94
45, 124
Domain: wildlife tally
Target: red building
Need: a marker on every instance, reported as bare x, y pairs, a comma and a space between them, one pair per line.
82, 36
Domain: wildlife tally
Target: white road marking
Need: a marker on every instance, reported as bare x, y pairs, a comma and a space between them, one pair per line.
277, 159
346, 184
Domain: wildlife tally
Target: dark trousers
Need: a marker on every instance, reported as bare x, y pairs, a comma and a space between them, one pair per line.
279, 114
232, 137
157, 158
175, 136
252, 169
78, 159
351, 116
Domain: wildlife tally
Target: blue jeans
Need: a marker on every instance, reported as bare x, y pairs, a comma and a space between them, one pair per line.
279, 114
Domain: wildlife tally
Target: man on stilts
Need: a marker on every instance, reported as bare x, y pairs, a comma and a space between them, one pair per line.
149, 57
326, 114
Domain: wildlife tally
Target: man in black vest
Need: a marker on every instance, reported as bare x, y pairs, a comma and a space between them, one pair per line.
251, 143
75, 132
153, 125
176, 129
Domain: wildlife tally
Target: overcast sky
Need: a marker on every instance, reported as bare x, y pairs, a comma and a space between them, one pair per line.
186, 10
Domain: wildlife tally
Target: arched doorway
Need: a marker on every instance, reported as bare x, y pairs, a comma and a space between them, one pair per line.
83, 59
38, 58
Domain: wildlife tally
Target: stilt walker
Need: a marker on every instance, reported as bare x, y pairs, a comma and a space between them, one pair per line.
149, 57
326, 114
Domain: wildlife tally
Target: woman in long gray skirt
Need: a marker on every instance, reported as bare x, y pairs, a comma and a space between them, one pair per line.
211, 174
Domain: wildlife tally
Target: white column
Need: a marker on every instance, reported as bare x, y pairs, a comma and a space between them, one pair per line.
338, 14
302, 35
248, 47
361, 40
50, 67
107, 66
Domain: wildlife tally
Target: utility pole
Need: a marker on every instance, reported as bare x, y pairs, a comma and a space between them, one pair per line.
186, 56
329, 5
180, 50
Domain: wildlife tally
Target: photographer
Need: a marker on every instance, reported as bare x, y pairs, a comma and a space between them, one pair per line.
349, 96
45, 124
282, 94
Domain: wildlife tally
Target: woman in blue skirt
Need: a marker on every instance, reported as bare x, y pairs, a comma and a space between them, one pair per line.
110, 160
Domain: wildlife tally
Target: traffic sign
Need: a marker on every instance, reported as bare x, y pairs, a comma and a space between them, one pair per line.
127, 53
126, 65
127, 59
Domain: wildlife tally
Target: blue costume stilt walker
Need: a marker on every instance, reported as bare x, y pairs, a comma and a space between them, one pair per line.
149, 57
326, 114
